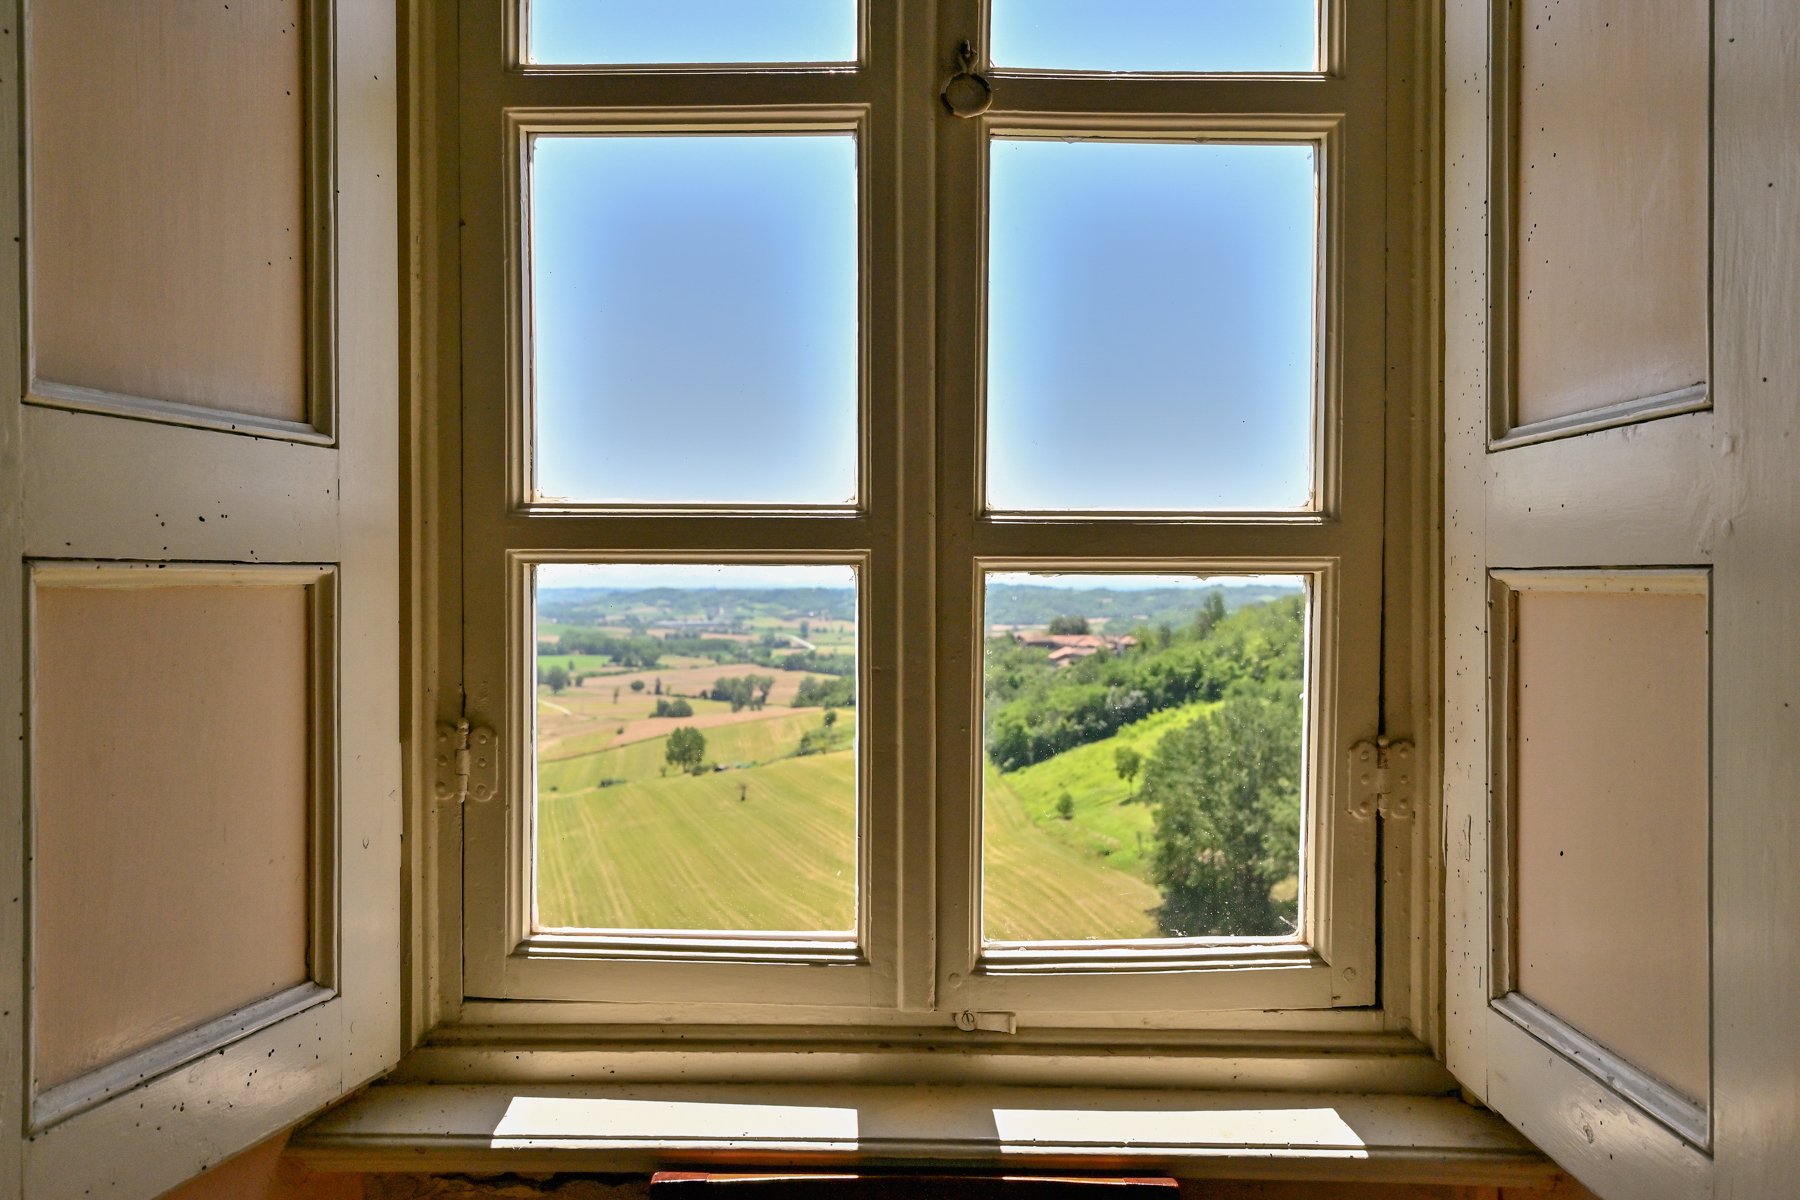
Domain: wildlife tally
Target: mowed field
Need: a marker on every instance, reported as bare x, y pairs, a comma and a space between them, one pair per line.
1048, 879
626, 843
768, 848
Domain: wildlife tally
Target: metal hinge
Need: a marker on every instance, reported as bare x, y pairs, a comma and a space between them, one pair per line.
467, 764
1381, 779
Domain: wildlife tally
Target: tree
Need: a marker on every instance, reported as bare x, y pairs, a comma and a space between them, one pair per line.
1127, 762
686, 748
1068, 625
557, 678
672, 708
818, 692
1226, 791
1210, 613
637, 685
830, 717
744, 691
658, 688
1065, 807
805, 630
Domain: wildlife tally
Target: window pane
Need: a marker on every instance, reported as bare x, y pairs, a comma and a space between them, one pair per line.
696, 748
694, 313
1151, 326
599, 32
1143, 773
1239, 36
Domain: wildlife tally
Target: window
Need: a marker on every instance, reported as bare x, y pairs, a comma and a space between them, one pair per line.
944, 553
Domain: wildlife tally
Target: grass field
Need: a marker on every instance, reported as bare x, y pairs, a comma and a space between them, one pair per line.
1037, 886
1104, 824
707, 714
756, 741
671, 851
686, 853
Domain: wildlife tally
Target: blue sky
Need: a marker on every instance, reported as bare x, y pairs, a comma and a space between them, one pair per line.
628, 576
674, 31
695, 312
752, 575
1094, 35
1157, 35
1150, 325
695, 297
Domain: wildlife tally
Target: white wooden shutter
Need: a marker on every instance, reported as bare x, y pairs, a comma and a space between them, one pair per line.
1621, 603
199, 909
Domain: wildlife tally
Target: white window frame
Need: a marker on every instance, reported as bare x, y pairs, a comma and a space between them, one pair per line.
919, 962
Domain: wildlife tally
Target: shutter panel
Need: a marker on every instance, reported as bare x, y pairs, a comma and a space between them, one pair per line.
1620, 603
200, 551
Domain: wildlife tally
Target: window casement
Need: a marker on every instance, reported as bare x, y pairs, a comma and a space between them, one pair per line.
940, 258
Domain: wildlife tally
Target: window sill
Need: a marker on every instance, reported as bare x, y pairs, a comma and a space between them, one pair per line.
1269, 1135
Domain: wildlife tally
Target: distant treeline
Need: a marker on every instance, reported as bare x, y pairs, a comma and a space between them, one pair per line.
610, 606
1034, 604
1036, 710
826, 693
639, 653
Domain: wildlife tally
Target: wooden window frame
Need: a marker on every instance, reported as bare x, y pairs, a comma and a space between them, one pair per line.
1372, 970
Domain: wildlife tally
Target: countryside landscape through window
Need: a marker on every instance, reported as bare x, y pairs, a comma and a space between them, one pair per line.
697, 752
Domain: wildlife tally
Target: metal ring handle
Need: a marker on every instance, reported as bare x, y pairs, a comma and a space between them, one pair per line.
967, 93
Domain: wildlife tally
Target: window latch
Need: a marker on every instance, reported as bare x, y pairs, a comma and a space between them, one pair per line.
467, 765
970, 1021
1381, 779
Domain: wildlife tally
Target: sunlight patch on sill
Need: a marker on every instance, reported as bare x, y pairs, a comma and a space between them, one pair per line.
534, 1118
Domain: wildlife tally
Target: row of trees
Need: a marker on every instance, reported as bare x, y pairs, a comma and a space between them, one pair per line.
636, 653
645, 653
818, 692
743, 691
1036, 711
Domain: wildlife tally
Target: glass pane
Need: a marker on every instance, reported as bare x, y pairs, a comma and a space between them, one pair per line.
1143, 768
1151, 326
1231, 36
696, 748
601, 32
694, 315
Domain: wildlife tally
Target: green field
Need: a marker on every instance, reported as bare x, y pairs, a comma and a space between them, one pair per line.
1104, 825
762, 834
674, 851
751, 742
686, 853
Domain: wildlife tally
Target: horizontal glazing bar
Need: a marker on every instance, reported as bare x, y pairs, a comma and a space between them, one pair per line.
1106, 95
678, 89
735, 534
1160, 541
